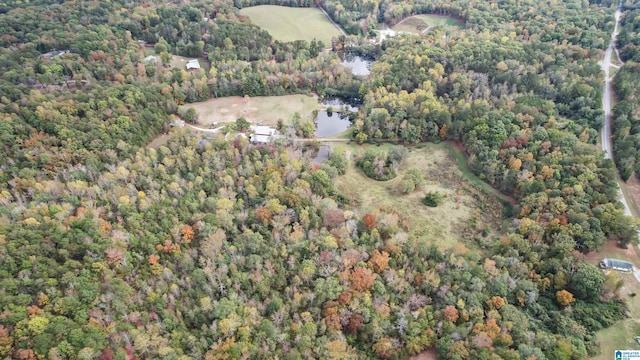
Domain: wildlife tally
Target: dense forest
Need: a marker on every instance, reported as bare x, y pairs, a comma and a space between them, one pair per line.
626, 112
226, 250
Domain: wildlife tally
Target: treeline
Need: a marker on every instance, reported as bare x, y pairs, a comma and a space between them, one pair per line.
626, 149
628, 40
626, 120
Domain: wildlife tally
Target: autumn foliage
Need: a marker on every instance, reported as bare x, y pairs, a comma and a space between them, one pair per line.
369, 221
379, 261
362, 279
450, 313
187, 234
564, 297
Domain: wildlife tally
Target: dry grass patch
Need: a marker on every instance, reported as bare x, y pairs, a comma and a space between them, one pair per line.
265, 110
160, 140
631, 190
417, 24
443, 226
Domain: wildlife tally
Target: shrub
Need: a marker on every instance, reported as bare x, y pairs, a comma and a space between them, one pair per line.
411, 181
433, 199
376, 166
242, 124
339, 161
398, 153
189, 115
361, 138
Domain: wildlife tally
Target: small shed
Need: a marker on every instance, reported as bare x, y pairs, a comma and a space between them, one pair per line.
616, 264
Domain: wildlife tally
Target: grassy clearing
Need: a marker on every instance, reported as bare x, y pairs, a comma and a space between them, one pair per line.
290, 24
177, 61
443, 226
180, 62
418, 23
160, 140
347, 134
620, 335
631, 191
265, 110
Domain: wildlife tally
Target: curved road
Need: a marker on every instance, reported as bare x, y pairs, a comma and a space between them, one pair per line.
605, 65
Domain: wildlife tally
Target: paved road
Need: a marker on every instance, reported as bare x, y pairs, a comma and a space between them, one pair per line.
605, 65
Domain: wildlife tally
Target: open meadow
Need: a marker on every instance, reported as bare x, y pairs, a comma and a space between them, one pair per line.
417, 24
290, 24
264, 110
464, 211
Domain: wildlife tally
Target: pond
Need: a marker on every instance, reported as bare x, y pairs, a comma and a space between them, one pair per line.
335, 119
359, 65
339, 105
323, 154
329, 124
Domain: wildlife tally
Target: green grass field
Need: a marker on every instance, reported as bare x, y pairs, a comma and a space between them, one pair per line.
290, 24
442, 226
418, 23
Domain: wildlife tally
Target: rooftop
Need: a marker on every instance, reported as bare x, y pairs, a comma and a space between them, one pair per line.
616, 264
264, 130
260, 139
193, 64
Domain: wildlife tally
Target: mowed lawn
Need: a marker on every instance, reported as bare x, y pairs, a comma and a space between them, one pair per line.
441, 226
290, 24
265, 110
418, 23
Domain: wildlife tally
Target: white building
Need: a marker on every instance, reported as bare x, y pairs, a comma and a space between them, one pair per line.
616, 264
193, 64
263, 134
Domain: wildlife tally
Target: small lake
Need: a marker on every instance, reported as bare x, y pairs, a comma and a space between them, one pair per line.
329, 123
359, 65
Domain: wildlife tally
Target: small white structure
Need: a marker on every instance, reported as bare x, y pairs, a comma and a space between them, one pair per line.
151, 60
263, 134
387, 33
178, 123
193, 64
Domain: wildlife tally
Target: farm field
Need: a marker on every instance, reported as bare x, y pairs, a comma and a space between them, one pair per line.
265, 110
290, 24
419, 23
443, 226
